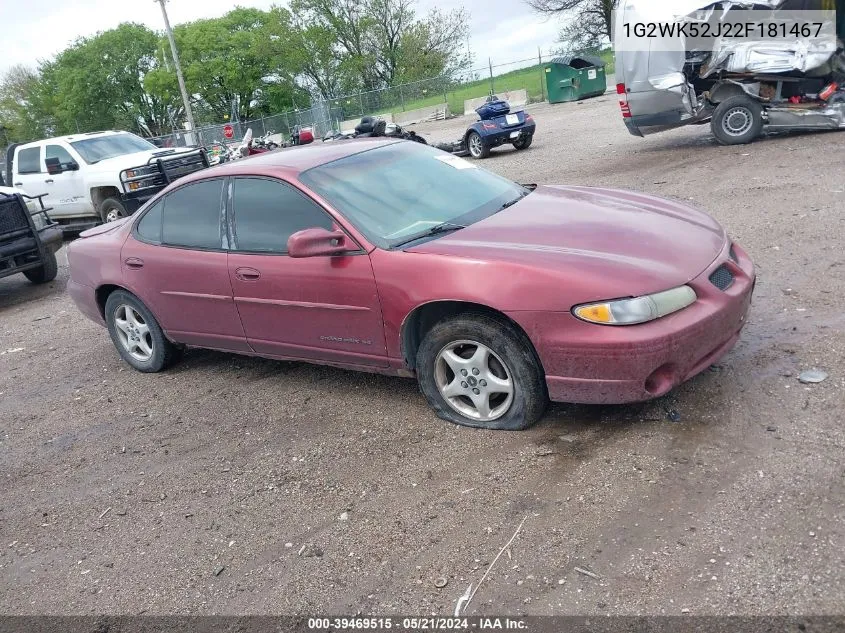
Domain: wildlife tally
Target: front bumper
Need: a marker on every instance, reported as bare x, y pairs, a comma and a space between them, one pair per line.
594, 364
135, 200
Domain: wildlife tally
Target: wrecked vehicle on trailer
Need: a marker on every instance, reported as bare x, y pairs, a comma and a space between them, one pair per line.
742, 86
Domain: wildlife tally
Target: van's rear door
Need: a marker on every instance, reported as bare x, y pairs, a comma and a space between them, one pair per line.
656, 94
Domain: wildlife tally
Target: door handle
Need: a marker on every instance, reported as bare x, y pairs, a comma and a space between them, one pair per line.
50, 180
247, 274
134, 263
18, 184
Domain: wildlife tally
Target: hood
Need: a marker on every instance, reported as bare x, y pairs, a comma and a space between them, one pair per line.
608, 242
136, 159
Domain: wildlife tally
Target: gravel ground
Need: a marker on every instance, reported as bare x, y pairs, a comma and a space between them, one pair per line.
233, 485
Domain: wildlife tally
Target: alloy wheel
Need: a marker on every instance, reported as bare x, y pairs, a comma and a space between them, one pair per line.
133, 332
474, 380
475, 147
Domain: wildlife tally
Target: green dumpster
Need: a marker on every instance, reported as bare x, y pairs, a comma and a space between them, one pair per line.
575, 77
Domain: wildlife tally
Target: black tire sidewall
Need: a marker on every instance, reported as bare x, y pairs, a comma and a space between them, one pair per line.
161, 346
753, 132
530, 397
46, 273
524, 142
108, 203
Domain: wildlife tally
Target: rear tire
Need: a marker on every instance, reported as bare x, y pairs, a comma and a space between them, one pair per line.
737, 120
524, 142
45, 273
112, 209
475, 145
503, 386
137, 335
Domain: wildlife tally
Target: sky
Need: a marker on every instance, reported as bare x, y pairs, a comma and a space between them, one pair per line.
504, 30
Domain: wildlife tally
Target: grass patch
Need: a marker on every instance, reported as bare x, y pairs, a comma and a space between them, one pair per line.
530, 79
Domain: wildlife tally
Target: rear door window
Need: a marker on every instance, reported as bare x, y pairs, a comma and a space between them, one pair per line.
29, 160
193, 216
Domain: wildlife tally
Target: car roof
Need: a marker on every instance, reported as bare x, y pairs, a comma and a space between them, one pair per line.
72, 137
291, 161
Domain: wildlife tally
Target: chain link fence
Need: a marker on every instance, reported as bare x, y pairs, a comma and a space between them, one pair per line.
340, 113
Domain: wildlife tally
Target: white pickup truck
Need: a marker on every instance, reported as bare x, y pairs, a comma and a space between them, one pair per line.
97, 177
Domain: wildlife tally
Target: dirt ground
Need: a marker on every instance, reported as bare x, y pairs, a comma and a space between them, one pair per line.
195, 491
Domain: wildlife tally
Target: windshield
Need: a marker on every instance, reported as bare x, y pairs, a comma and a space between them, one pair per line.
93, 150
395, 192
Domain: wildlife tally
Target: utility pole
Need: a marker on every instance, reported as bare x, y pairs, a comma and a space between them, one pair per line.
188, 112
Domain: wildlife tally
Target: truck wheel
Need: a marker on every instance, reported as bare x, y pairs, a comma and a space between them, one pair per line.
45, 273
112, 209
737, 120
523, 142
477, 148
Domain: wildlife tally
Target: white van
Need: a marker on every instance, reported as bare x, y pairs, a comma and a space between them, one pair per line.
741, 87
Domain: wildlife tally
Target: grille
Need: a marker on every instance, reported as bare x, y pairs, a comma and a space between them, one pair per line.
722, 277
12, 215
175, 168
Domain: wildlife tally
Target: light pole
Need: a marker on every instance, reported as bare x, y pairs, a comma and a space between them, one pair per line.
188, 112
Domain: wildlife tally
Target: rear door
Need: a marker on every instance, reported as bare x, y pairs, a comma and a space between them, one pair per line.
316, 308
176, 262
29, 173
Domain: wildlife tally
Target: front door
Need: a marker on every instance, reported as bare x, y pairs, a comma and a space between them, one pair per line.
67, 197
176, 263
316, 308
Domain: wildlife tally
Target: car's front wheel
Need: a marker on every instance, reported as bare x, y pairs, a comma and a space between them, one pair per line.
137, 335
46, 272
479, 371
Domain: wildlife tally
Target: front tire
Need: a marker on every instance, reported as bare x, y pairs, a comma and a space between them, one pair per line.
137, 335
479, 371
112, 209
475, 145
45, 273
737, 120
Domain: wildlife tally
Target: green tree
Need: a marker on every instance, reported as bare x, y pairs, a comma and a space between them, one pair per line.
22, 113
99, 83
590, 21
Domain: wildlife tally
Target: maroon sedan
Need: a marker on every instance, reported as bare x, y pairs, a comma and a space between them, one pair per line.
394, 257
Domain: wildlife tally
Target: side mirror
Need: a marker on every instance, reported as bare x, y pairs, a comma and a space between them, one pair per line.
54, 166
317, 243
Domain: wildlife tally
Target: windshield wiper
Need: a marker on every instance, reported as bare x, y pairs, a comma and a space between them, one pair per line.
437, 229
510, 203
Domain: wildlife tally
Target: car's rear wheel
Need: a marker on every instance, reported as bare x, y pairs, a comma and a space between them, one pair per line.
524, 141
476, 146
137, 335
112, 209
479, 371
46, 272
737, 120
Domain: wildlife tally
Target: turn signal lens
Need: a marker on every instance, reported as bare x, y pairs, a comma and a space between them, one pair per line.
599, 313
638, 309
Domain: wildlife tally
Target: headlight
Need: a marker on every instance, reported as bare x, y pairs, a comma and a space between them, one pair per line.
638, 309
